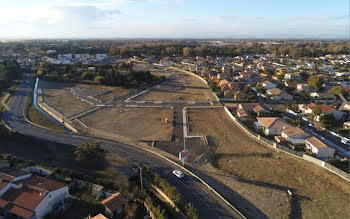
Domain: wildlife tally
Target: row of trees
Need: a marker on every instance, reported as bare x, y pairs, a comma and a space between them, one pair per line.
9, 72
295, 50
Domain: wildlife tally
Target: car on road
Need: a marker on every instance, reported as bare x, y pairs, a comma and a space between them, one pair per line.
178, 174
345, 141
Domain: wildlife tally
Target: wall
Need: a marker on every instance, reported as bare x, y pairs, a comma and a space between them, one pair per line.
33, 169
46, 204
288, 150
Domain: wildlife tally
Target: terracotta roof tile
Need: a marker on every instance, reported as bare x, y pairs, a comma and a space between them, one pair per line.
293, 131
114, 202
19, 211
316, 143
43, 183
25, 197
273, 122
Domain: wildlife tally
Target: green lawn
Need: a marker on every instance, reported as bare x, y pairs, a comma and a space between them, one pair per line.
36, 117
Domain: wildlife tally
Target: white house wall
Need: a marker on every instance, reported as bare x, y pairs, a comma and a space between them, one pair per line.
45, 205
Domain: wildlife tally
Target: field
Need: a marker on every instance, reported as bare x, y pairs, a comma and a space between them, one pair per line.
58, 96
262, 176
137, 123
180, 86
100, 92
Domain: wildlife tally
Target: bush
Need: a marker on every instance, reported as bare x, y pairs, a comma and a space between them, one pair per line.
99, 80
87, 75
341, 164
89, 152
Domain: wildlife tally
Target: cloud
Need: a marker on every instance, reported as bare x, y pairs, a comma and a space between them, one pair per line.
224, 18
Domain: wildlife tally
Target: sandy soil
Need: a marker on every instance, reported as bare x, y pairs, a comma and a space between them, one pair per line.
58, 96
181, 86
100, 92
137, 123
262, 175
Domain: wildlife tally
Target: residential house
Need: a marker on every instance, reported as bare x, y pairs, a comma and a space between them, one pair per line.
290, 84
295, 135
242, 114
268, 85
277, 94
272, 125
239, 95
309, 109
291, 76
115, 204
99, 216
100, 56
323, 97
28, 196
319, 148
302, 87
255, 108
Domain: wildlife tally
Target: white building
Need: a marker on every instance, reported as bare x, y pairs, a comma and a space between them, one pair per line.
318, 148
65, 56
28, 196
295, 135
100, 56
271, 125
268, 85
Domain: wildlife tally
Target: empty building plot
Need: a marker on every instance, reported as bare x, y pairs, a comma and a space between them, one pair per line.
137, 123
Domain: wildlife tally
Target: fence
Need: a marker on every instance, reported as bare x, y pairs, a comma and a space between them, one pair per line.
288, 150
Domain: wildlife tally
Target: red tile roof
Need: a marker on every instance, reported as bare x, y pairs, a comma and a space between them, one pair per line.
114, 202
324, 108
9, 173
273, 122
19, 211
43, 183
293, 131
315, 142
25, 197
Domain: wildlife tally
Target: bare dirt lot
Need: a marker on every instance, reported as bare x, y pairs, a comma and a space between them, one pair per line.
100, 92
137, 123
262, 176
58, 96
180, 86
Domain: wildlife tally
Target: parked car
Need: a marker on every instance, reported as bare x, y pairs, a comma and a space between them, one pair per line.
178, 174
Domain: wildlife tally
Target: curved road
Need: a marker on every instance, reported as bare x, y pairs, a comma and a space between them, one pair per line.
208, 204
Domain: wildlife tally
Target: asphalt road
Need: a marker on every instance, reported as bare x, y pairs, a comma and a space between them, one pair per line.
208, 204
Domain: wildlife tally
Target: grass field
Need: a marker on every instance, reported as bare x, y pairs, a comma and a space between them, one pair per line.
36, 117
137, 123
262, 175
180, 86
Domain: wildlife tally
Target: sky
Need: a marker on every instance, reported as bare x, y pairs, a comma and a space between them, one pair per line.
174, 19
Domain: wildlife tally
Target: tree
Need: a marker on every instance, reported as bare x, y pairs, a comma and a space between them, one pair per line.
187, 51
316, 111
316, 82
89, 152
87, 75
99, 79
337, 90
328, 120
